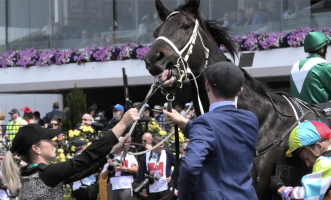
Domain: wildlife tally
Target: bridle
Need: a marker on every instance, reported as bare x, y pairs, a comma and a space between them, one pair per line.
183, 60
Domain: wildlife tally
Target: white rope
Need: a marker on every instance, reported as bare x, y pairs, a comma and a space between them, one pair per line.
295, 112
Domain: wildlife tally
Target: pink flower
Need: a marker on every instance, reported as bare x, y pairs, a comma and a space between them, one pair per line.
23, 163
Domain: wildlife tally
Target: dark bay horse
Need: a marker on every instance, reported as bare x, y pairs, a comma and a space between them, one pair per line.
162, 58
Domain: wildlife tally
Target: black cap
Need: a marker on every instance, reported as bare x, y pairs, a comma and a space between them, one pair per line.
14, 110
79, 143
225, 77
29, 135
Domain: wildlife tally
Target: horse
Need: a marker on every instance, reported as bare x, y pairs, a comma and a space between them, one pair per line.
274, 112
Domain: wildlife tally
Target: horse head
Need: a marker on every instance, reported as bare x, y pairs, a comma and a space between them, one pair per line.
163, 60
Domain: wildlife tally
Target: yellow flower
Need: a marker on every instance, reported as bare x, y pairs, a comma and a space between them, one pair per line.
60, 151
72, 154
62, 156
149, 129
54, 138
63, 137
160, 128
54, 149
88, 144
71, 135
172, 137
73, 148
163, 133
81, 127
76, 132
155, 126
86, 140
153, 122
174, 153
181, 139
63, 160
91, 130
85, 129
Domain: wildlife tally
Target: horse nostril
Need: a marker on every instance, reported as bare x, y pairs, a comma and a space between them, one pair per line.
159, 56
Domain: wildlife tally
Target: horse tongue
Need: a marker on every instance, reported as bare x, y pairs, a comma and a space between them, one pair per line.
165, 75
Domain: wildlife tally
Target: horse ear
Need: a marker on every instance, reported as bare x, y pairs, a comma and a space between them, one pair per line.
162, 11
192, 6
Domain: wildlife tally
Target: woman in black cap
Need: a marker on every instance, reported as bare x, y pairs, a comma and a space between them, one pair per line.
44, 181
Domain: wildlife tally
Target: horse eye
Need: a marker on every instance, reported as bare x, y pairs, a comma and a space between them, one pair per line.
185, 26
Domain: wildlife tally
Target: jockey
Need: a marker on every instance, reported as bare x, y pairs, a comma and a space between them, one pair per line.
311, 77
311, 141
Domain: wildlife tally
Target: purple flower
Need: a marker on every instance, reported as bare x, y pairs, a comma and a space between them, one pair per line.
102, 53
65, 57
142, 52
28, 57
47, 57
9, 59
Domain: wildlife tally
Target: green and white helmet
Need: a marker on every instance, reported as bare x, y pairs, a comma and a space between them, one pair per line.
315, 41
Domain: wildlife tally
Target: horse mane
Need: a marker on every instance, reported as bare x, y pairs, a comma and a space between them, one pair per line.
256, 85
216, 33
221, 36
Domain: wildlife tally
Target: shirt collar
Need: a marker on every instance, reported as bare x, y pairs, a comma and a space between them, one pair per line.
219, 104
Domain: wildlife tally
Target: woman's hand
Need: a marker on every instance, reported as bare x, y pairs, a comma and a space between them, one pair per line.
144, 193
130, 117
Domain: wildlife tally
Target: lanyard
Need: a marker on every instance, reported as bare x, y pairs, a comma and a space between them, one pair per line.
33, 165
156, 162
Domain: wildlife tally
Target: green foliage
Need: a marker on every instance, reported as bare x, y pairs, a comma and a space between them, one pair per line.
76, 101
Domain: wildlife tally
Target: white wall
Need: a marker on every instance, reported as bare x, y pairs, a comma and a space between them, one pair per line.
36, 102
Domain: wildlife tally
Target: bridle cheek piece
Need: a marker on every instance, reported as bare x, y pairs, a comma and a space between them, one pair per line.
183, 60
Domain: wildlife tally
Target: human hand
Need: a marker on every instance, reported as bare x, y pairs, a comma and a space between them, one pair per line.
144, 193
175, 118
129, 117
119, 168
275, 183
176, 192
122, 145
148, 146
168, 179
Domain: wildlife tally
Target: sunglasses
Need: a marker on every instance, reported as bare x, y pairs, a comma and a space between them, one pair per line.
54, 124
143, 140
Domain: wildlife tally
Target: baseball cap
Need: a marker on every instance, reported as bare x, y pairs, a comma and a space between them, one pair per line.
305, 134
119, 107
225, 77
79, 143
14, 110
29, 135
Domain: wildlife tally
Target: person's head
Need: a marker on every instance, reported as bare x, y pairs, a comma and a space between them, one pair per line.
187, 105
183, 148
224, 81
145, 19
309, 140
55, 124
33, 144
14, 114
316, 42
296, 2
156, 140
157, 110
84, 34
253, 10
227, 16
146, 139
179, 107
2, 116
240, 13
109, 39
118, 111
270, 5
36, 115
80, 145
56, 105
28, 114
90, 111
87, 119
147, 111
101, 110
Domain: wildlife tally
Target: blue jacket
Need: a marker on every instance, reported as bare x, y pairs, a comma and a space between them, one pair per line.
49, 116
219, 157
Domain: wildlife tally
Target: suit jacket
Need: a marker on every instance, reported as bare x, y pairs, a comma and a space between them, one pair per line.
240, 22
219, 157
50, 115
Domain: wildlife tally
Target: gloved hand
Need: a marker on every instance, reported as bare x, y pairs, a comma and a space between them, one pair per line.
275, 183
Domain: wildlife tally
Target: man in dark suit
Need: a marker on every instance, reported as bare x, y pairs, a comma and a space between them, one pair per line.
56, 113
241, 20
219, 157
